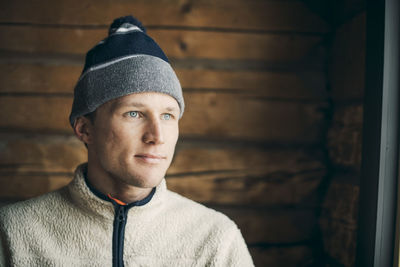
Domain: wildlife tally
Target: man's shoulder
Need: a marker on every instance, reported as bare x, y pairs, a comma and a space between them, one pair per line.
25, 211
192, 211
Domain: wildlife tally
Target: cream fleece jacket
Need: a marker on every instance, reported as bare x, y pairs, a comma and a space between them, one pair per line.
73, 227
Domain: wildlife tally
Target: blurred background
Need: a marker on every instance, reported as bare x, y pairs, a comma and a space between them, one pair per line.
271, 135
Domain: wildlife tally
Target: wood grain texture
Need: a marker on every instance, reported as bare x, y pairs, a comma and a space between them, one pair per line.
48, 154
249, 187
224, 189
340, 240
200, 158
347, 68
251, 118
55, 154
211, 115
345, 136
178, 44
61, 78
37, 78
238, 14
35, 114
274, 226
27, 186
341, 202
225, 175
300, 255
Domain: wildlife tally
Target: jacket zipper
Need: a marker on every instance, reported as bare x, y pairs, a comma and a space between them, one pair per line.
118, 235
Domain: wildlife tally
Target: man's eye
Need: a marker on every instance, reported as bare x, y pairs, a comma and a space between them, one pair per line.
166, 116
133, 114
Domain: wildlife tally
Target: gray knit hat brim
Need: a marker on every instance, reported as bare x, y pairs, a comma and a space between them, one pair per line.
124, 76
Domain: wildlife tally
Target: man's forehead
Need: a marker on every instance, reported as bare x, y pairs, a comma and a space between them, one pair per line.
146, 99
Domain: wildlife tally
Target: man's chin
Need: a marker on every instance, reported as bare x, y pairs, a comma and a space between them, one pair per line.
145, 182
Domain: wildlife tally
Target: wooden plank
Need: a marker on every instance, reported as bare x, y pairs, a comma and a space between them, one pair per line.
246, 176
347, 68
38, 78
22, 154
274, 226
249, 187
348, 114
61, 154
211, 115
340, 240
341, 202
200, 158
224, 175
246, 117
233, 188
61, 78
300, 255
175, 43
272, 84
236, 14
345, 136
35, 114
17, 186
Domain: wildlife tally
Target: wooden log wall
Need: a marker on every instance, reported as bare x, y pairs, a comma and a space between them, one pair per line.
340, 209
252, 136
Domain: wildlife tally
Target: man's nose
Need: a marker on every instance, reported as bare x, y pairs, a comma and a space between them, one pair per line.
153, 133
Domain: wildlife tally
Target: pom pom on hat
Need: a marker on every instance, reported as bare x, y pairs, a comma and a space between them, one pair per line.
125, 22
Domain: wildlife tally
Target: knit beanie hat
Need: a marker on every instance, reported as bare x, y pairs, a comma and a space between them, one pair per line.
127, 61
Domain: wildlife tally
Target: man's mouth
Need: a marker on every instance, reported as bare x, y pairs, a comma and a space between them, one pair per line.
150, 158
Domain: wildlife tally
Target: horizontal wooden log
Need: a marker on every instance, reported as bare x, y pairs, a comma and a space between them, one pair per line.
248, 117
274, 226
59, 78
347, 70
176, 43
27, 186
345, 136
38, 114
61, 154
345, 145
225, 175
40, 154
239, 14
230, 188
211, 115
200, 158
300, 255
38, 78
348, 115
341, 202
250, 187
340, 240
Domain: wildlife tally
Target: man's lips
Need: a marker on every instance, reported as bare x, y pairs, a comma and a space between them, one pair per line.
151, 158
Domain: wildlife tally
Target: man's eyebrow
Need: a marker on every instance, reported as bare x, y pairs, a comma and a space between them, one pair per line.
118, 104
130, 104
172, 109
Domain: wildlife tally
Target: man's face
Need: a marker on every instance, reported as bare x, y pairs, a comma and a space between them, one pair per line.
134, 137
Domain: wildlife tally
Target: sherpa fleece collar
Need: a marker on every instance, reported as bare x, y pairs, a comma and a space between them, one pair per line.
84, 198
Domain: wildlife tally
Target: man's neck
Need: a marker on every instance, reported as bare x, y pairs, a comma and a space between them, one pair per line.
108, 185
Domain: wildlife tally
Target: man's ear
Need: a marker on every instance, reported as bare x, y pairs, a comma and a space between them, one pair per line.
83, 129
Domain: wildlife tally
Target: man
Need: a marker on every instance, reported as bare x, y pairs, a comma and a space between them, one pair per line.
117, 210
